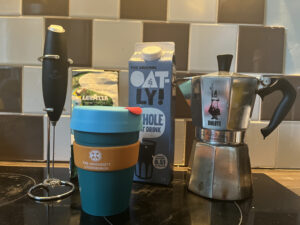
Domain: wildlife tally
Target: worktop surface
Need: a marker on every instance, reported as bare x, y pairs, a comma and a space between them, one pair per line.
272, 203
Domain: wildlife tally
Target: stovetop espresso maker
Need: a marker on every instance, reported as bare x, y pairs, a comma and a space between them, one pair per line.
221, 105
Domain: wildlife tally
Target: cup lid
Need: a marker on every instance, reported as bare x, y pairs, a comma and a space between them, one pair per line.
106, 119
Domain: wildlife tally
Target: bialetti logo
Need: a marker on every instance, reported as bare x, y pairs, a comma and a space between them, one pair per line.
214, 109
214, 123
152, 85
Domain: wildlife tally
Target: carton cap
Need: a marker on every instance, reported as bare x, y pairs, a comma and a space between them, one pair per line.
151, 53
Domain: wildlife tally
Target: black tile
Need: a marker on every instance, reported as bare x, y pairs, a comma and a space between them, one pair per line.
21, 137
46, 7
175, 32
10, 89
190, 137
182, 109
260, 49
237, 11
143, 9
79, 36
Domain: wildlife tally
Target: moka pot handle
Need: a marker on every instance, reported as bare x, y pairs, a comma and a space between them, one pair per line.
286, 103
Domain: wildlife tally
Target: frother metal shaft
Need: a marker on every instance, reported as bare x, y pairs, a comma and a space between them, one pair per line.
50, 181
48, 149
53, 149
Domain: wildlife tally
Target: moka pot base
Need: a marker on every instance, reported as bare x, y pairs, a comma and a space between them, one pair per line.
220, 172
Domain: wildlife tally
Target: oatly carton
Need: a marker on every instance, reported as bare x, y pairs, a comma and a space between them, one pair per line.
151, 70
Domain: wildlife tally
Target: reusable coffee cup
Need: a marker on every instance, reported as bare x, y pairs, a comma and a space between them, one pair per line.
106, 150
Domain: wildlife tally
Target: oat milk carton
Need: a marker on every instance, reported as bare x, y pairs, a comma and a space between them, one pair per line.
151, 70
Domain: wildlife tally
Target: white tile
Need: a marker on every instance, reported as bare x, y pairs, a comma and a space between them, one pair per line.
11, 7
62, 139
180, 138
289, 145
295, 108
21, 40
192, 10
208, 41
256, 109
123, 88
95, 8
262, 151
114, 41
72, 138
32, 94
32, 97
286, 13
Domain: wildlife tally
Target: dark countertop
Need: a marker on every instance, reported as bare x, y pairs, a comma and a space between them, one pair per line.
156, 205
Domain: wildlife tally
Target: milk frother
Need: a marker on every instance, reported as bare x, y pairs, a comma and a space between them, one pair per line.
54, 83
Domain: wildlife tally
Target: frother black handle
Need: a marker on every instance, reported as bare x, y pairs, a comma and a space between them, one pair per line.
286, 103
55, 73
224, 62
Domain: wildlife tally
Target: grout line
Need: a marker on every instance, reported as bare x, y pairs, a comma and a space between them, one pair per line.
21, 114
21, 7
188, 66
33, 164
217, 11
69, 3
119, 9
180, 168
175, 168
265, 13
237, 48
22, 88
259, 109
184, 141
276, 160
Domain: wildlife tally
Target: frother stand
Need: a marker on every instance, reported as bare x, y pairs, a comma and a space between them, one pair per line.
55, 79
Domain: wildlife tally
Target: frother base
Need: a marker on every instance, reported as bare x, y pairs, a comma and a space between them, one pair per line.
52, 183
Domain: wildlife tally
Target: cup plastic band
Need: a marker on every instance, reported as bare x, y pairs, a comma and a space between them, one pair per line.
106, 158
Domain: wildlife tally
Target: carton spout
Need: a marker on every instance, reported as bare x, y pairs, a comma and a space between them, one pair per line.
186, 90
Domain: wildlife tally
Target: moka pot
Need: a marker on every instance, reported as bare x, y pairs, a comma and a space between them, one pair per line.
221, 105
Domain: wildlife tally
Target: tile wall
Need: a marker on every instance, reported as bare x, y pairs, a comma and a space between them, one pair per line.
261, 34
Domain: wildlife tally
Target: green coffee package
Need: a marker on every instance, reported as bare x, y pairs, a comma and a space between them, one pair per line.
94, 87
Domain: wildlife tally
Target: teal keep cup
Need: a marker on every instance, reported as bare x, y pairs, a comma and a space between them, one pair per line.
105, 192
